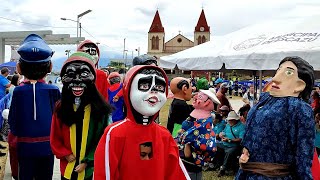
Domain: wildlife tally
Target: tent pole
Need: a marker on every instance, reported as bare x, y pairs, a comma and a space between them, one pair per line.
260, 81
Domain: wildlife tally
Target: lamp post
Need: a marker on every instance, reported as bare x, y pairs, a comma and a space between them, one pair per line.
67, 52
138, 49
78, 21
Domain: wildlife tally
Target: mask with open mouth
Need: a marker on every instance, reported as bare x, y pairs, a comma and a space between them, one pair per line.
77, 76
148, 93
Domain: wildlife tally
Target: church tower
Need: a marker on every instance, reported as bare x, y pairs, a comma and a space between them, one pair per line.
202, 30
156, 36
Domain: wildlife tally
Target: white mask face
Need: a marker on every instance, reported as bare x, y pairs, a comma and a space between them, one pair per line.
148, 93
93, 52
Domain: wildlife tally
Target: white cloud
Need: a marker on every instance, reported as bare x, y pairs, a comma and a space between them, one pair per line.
112, 21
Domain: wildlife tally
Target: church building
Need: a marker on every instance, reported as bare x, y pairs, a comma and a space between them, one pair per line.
157, 46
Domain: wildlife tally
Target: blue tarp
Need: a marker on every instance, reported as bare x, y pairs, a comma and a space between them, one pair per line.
10, 65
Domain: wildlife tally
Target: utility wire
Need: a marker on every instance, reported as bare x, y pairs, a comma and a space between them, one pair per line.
114, 49
31, 23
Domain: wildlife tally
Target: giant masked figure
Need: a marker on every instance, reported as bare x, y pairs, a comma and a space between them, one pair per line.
31, 110
92, 49
280, 132
137, 147
79, 120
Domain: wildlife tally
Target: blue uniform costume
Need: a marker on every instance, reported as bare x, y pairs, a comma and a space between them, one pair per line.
117, 113
31, 111
280, 130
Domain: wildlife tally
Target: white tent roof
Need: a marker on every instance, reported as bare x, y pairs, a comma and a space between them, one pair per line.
257, 47
196, 58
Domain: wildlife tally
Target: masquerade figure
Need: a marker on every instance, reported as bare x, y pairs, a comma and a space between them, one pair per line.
31, 110
279, 138
144, 59
91, 48
197, 138
179, 109
114, 89
137, 147
79, 119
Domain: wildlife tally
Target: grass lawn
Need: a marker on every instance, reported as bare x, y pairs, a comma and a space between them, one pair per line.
208, 175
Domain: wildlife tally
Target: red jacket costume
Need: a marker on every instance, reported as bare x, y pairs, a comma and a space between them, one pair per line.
117, 157
101, 79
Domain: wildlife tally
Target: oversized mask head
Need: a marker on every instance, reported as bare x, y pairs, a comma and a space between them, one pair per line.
205, 100
78, 73
148, 92
92, 50
294, 77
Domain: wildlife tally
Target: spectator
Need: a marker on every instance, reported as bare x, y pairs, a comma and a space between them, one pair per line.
231, 137
224, 111
315, 102
218, 125
317, 141
4, 82
243, 112
250, 97
221, 95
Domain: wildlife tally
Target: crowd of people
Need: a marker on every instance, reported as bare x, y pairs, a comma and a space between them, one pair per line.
103, 126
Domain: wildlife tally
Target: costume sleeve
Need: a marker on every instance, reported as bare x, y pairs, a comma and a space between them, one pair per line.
56, 139
106, 168
120, 93
175, 169
303, 133
12, 114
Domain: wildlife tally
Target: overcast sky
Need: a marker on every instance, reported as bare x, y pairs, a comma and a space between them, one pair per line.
112, 21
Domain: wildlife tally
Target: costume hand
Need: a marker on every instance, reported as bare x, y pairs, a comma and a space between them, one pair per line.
244, 156
221, 135
115, 98
70, 157
80, 167
187, 150
224, 139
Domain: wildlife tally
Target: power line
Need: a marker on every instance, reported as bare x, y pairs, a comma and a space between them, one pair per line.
32, 23
114, 49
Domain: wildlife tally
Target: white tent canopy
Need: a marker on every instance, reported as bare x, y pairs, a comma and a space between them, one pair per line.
195, 58
257, 47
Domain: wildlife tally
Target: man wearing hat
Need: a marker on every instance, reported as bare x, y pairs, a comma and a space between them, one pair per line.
31, 110
224, 111
197, 137
231, 137
221, 95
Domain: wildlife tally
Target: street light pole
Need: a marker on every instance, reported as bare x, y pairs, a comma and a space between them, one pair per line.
78, 21
124, 46
67, 52
138, 49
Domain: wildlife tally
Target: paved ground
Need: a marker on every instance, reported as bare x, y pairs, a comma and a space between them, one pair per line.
235, 102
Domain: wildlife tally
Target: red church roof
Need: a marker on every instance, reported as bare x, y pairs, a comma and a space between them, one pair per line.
202, 22
156, 25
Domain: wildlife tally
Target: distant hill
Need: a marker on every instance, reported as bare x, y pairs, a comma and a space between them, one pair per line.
103, 62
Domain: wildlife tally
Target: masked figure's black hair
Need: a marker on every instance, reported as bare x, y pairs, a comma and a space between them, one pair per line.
305, 73
34, 71
99, 107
